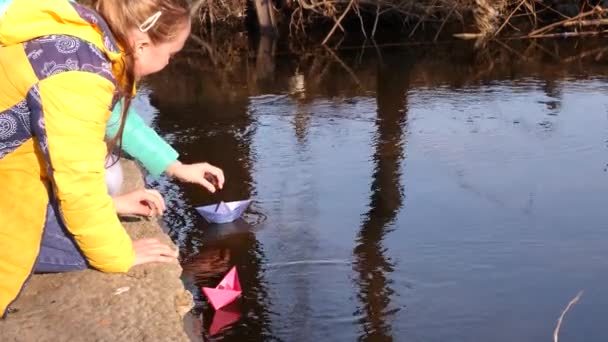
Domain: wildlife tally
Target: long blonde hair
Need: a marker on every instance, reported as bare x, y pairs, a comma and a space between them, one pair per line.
123, 16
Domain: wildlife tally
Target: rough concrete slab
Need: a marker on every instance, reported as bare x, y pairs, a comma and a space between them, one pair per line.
147, 304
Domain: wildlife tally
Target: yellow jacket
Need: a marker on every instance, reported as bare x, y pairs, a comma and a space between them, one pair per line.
58, 67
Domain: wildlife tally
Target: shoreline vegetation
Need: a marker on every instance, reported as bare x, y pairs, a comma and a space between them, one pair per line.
232, 33
429, 20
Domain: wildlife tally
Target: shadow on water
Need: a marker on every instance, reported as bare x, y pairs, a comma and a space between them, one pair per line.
281, 125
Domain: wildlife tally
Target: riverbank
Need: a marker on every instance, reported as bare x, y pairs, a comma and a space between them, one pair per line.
147, 304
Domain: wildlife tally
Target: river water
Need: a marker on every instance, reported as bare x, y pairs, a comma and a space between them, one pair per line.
402, 194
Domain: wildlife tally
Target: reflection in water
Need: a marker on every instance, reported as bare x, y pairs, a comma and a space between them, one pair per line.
265, 60
302, 117
554, 93
224, 317
217, 232
208, 124
386, 199
210, 265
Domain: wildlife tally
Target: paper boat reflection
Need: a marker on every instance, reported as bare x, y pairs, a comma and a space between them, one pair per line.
226, 291
223, 212
215, 233
224, 317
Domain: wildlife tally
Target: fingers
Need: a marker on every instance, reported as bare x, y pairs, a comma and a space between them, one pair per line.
146, 259
144, 202
217, 173
154, 246
152, 250
213, 177
145, 242
154, 200
142, 209
207, 184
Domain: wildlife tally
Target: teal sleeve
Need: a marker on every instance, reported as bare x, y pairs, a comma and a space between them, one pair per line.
4, 5
142, 142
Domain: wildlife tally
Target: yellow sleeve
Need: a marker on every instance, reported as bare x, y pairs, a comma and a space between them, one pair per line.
75, 109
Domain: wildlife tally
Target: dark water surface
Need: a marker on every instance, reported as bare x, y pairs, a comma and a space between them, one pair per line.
399, 195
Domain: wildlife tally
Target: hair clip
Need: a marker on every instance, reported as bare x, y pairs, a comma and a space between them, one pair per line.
151, 21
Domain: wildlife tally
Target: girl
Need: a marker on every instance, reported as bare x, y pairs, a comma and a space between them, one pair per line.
62, 67
146, 146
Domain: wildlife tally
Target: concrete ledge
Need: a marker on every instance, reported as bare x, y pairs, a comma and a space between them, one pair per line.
147, 304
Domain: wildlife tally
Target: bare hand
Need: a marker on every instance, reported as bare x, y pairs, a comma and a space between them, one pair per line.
152, 250
144, 202
207, 175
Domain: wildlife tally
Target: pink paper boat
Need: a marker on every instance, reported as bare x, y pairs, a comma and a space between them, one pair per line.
226, 291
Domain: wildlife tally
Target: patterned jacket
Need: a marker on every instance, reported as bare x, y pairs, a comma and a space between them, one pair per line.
59, 72
138, 139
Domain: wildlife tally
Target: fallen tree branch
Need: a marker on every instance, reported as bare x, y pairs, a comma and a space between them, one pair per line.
562, 22
331, 32
569, 34
595, 22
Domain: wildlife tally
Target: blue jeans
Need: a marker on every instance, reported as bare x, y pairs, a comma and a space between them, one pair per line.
58, 250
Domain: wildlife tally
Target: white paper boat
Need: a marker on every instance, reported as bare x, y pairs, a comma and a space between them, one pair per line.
223, 212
